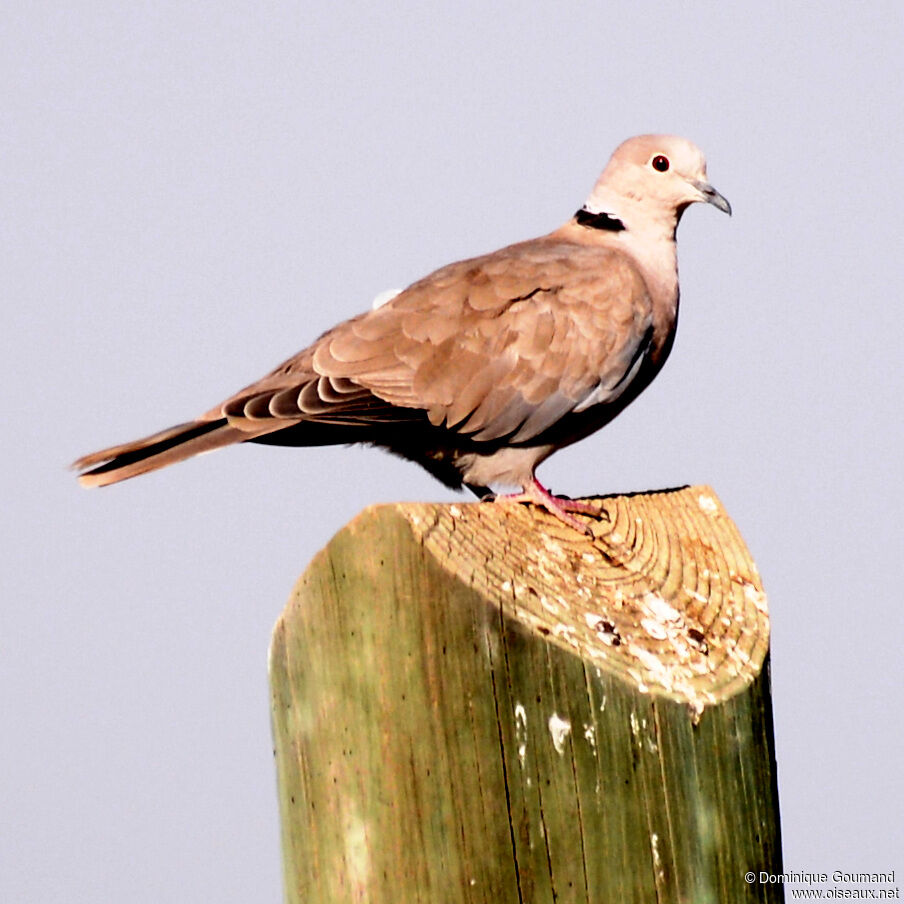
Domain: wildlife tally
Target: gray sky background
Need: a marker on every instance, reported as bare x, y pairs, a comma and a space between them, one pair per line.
192, 192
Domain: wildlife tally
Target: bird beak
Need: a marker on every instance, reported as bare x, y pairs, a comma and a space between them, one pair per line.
711, 196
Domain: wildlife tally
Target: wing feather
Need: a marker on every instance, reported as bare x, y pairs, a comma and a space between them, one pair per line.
497, 347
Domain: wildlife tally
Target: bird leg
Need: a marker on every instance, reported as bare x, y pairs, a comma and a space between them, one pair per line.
537, 494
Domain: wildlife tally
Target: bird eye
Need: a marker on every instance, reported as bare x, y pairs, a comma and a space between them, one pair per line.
660, 163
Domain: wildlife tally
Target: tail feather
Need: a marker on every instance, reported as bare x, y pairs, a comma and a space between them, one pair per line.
164, 448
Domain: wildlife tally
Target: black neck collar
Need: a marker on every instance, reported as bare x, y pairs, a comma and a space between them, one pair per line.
604, 221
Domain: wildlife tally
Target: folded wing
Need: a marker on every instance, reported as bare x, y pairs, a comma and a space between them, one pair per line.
496, 348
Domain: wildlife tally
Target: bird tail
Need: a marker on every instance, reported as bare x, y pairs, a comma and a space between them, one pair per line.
156, 451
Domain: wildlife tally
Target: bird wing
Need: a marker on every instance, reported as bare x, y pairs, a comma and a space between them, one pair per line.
501, 346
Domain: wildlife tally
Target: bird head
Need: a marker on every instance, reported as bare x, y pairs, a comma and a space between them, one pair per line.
661, 173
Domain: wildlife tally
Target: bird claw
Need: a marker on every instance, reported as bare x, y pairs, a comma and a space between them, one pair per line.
576, 505
560, 507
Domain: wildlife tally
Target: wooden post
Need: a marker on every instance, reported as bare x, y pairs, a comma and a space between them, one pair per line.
475, 703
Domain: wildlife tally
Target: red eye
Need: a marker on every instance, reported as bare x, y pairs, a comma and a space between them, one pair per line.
660, 163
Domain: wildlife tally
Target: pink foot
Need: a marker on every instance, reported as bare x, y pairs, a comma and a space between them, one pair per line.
536, 494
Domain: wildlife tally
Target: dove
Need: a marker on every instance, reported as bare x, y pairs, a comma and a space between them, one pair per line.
481, 370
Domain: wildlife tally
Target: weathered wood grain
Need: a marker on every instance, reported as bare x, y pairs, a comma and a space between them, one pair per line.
475, 703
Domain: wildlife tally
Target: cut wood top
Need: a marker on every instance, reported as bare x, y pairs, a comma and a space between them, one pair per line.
665, 594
